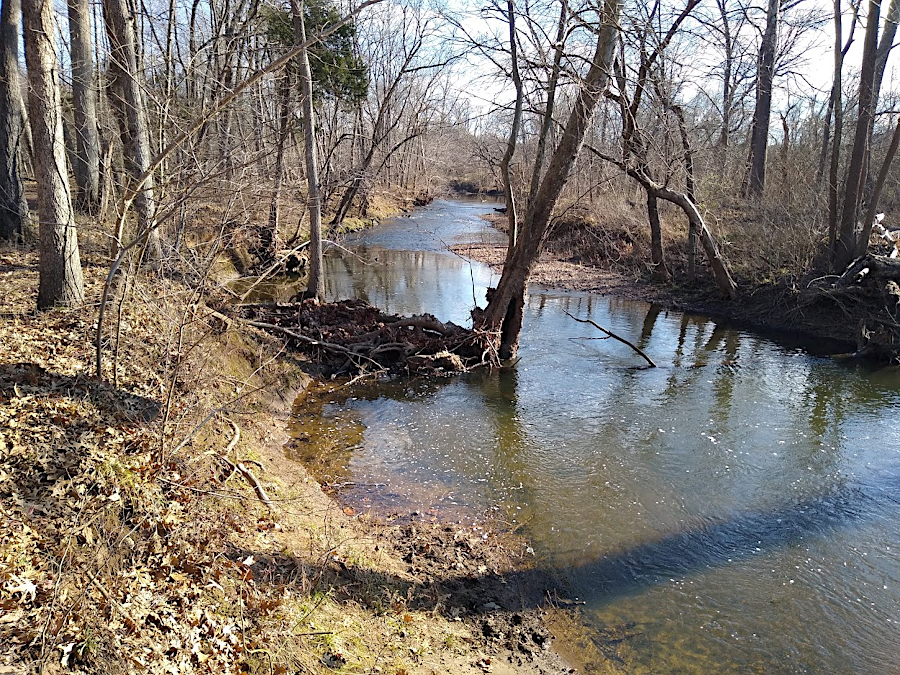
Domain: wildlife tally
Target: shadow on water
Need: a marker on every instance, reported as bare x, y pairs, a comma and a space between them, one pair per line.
707, 544
723, 542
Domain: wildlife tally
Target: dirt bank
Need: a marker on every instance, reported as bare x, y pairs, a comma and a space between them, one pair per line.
152, 523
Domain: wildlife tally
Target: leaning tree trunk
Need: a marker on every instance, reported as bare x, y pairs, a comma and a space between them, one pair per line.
60, 280
84, 97
128, 101
13, 205
511, 216
502, 318
315, 286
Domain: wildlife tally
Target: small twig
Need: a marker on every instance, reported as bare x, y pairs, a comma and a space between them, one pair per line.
615, 337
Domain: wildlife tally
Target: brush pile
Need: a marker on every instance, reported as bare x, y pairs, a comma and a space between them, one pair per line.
351, 337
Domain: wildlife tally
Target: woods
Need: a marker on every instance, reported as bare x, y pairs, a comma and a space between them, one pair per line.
179, 178
346, 115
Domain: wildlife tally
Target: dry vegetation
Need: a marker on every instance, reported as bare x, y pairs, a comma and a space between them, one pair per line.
154, 525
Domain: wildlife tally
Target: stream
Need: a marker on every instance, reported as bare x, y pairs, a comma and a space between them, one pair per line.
735, 510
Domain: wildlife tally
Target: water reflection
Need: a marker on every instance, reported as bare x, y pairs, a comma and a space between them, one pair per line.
739, 502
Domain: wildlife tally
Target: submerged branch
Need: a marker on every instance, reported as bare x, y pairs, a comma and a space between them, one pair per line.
609, 333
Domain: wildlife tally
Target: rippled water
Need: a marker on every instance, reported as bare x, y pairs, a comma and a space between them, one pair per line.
736, 509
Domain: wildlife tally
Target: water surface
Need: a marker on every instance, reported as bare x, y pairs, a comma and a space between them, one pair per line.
737, 508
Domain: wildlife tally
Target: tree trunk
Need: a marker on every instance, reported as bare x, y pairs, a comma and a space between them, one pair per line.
60, 281
759, 138
845, 246
502, 318
13, 205
511, 218
838, 111
863, 243
316, 285
87, 153
278, 181
127, 99
656, 246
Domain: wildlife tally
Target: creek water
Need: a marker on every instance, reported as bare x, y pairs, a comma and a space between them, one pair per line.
736, 509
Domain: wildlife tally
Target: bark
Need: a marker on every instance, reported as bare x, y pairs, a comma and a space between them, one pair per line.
885, 44
128, 102
60, 281
511, 218
656, 246
838, 108
549, 108
13, 205
283, 127
863, 243
316, 285
845, 246
502, 318
759, 137
87, 154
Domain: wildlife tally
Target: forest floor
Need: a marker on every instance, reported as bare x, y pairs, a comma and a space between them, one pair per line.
151, 522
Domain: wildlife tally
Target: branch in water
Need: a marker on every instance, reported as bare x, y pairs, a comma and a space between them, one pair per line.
616, 337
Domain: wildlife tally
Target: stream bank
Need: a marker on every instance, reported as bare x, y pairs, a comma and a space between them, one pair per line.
853, 320
155, 524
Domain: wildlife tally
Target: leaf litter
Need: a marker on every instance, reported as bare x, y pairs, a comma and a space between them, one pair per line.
128, 542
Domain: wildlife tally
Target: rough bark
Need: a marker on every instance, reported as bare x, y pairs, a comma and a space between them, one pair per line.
502, 318
60, 281
13, 206
316, 284
511, 215
759, 138
128, 102
845, 247
86, 164
656, 247
838, 111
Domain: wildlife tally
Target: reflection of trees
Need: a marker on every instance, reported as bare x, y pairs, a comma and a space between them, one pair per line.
402, 281
511, 475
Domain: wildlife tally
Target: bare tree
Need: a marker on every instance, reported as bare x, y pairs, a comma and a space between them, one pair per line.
502, 318
759, 134
84, 103
316, 285
61, 281
128, 100
13, 205
847, 242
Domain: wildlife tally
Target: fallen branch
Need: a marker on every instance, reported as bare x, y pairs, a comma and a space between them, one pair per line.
609, 333
330, 346
253, 480
279, 261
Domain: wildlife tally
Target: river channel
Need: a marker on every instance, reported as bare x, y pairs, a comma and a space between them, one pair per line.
736, 509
